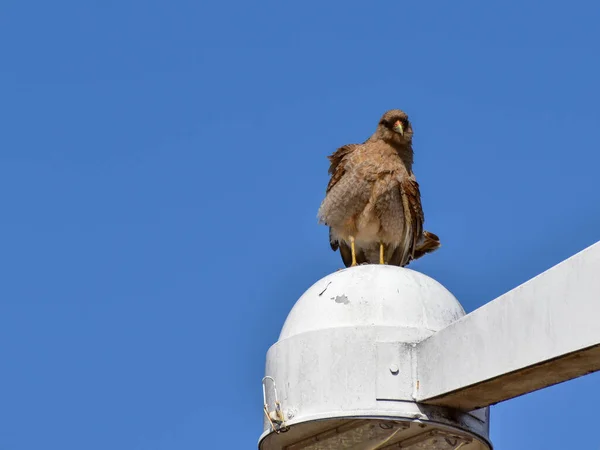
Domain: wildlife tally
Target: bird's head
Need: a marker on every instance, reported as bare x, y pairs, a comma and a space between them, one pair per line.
395, 128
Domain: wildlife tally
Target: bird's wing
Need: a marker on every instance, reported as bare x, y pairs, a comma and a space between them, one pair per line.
413, 213
337, 163
337, 169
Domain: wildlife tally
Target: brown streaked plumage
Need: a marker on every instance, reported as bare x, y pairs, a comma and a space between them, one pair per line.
373, 203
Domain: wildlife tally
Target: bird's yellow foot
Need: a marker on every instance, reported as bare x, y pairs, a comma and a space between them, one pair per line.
381, 260
353, 249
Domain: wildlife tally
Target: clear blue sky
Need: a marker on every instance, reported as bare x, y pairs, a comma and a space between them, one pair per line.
161, 166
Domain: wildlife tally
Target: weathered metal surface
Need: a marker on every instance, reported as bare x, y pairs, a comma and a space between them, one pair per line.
371, 434
544, 332
374, 295
393, 371
346, 353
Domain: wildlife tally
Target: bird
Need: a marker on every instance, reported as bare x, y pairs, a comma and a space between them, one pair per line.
372, 202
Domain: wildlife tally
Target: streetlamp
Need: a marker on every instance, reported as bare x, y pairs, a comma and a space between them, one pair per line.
380, 357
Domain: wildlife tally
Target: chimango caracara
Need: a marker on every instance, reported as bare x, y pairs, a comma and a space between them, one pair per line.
373, 204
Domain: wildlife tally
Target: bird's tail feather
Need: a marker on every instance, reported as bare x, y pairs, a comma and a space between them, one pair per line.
427, 244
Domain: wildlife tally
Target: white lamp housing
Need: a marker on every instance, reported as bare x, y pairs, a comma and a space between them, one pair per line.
343, 374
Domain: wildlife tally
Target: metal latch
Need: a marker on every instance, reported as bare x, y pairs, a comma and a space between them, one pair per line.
275, 417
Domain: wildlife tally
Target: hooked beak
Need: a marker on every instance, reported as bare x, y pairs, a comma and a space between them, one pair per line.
398, 128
